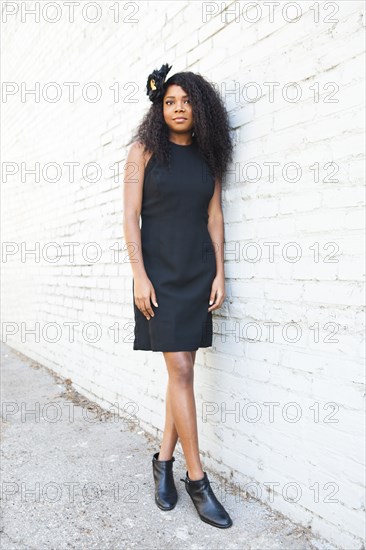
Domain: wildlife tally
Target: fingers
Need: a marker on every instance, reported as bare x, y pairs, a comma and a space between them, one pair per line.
212, 296
220, 296
148, 312
216, 305
144, 305
153, 298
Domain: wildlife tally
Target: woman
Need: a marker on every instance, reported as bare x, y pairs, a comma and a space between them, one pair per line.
178, 156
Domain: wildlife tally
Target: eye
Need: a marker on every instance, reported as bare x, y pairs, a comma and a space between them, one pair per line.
169, 101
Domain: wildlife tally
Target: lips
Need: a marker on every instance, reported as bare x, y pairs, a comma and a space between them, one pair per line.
179, 119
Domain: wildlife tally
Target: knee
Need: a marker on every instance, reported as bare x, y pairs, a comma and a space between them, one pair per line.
182, 372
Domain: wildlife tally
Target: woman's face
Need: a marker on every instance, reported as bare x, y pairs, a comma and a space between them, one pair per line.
177, 110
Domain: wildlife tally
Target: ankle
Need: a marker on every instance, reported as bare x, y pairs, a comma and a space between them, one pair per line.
196, 476
161, 456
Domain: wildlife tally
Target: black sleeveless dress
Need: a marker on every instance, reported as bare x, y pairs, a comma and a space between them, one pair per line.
178, 253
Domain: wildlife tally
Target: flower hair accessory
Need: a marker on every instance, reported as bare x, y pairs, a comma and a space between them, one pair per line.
155, 83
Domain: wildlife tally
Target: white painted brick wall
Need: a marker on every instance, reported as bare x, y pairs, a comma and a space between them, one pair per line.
253, 363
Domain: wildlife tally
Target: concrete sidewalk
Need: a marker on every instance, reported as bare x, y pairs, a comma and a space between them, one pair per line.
74, 476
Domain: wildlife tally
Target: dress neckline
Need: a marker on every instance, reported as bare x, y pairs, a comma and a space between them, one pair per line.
178, 145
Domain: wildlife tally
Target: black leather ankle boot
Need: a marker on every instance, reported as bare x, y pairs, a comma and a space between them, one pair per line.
208, 507
165, 491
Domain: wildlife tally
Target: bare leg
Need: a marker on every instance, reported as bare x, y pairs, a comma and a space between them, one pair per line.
182, 408
170, 435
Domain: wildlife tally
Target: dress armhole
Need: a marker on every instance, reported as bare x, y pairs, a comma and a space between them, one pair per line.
149, 162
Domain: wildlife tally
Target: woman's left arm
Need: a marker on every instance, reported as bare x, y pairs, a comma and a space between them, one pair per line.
215, 227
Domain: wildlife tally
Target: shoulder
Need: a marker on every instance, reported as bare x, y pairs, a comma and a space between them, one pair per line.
136, 149
139, 152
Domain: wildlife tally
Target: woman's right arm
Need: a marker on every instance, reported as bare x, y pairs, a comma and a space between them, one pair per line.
132, 198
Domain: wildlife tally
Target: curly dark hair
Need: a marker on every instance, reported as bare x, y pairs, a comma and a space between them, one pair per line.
211, 124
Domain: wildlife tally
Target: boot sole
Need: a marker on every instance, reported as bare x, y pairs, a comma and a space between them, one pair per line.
210, 522
215, 524
164, 509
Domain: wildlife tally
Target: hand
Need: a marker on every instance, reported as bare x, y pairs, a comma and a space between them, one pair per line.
143, 293
217, 295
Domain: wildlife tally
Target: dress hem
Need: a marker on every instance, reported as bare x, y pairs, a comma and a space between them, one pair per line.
168, 350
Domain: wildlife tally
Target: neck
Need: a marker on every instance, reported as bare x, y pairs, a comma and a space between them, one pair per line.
179, 139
